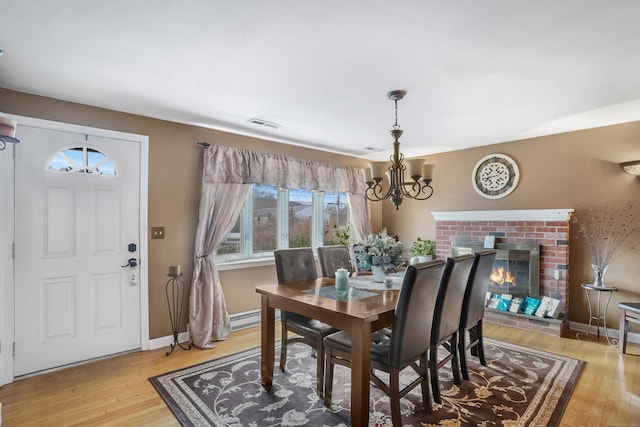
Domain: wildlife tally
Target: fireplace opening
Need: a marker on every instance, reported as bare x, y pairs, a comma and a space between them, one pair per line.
516, 270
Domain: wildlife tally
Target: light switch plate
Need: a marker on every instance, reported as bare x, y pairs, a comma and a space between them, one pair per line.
157, 232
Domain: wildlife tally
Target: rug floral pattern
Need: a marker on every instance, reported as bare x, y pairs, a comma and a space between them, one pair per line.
519, 386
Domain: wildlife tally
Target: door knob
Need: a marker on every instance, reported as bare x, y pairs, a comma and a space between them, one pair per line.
132, 263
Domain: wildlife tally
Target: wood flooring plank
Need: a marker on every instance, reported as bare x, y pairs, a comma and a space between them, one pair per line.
117, 392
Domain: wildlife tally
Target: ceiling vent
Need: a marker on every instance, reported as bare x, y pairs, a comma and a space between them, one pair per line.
261, 122
374, 149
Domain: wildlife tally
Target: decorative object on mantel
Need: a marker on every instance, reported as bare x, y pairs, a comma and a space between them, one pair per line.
495, 176
7, 132
419, 188
606, 231
378, 245
632, 168
422, 250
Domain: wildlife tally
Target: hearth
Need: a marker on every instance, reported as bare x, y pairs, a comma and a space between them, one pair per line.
516, 270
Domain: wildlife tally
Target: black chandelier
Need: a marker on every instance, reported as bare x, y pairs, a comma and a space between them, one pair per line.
419, 188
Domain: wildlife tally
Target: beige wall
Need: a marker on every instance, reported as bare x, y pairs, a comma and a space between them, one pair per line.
578, 170
175, 165
574, 170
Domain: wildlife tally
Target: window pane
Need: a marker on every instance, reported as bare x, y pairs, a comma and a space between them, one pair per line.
232, 243
75, 156
300, 218
60, 163
74, 160
265, 218
99, 163
335, 219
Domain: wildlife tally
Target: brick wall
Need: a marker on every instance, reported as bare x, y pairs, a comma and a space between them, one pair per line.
547, 227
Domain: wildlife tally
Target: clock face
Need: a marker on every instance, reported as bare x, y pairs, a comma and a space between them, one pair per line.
495, 176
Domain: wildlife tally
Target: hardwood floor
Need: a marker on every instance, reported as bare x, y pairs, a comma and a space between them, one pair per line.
116, 392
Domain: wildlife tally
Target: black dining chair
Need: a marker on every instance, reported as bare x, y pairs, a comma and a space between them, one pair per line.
334, 257
394, 349
473, 310
447, 319
293, 265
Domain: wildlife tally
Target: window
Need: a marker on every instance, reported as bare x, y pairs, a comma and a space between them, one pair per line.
82, 160
265, 219
300, 203
278, 218
335, 218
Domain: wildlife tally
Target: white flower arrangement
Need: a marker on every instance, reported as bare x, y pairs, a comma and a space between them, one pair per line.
380, 245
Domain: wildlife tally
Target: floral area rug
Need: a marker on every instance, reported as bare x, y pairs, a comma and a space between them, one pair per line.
518, 387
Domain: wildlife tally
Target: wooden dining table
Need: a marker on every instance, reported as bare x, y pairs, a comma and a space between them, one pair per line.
359, 312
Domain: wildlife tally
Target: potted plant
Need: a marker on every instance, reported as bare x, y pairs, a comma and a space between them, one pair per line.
422, 250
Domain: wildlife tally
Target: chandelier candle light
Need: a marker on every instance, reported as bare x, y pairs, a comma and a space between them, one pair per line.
421, 174
7, 132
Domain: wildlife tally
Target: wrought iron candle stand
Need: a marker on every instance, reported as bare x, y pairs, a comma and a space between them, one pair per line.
175, 301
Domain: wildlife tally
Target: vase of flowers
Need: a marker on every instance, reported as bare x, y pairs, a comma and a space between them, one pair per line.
379, 250
605, 231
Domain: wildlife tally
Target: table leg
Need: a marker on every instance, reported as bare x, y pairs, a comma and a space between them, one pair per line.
590, 311
611, 341
267, 342
360, 373
599, 317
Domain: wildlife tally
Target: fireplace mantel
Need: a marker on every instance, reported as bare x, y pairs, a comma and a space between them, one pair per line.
505, 215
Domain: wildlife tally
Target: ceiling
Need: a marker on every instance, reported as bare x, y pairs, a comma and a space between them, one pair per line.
476, 72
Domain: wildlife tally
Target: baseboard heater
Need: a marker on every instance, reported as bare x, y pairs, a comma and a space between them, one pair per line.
247, 319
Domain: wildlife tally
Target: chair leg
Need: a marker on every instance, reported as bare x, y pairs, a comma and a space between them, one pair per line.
433, 373
394, 397
473, 338
320, 356
480, 344
424, 367
283, 346
624, 329
328, 376
462, 354
455, 367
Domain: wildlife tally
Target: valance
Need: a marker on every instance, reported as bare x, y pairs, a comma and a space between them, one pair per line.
240, 166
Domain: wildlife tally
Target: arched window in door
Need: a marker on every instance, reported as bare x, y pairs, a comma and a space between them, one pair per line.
82, 159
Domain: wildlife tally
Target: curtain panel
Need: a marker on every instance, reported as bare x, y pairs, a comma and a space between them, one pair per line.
241, 166
208, 316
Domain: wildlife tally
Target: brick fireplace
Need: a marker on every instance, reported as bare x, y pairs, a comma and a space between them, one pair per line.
548, 228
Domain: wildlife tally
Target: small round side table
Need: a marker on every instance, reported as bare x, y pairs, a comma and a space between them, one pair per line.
600, 316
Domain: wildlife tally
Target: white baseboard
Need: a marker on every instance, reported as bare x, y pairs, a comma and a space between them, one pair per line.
167, 341
246, 319
632, 337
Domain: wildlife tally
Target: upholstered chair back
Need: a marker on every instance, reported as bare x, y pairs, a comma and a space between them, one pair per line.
334, 257
474, 298
295, 264
411, 332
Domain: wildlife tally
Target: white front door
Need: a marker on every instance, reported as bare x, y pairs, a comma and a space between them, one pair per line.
77, 224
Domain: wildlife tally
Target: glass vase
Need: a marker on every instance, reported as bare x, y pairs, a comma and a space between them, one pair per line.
379, 273
598, 274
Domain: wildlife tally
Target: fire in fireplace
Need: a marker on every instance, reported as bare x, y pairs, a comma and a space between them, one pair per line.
502, 277
516, 270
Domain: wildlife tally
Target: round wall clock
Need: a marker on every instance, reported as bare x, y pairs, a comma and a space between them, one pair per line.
495, 176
